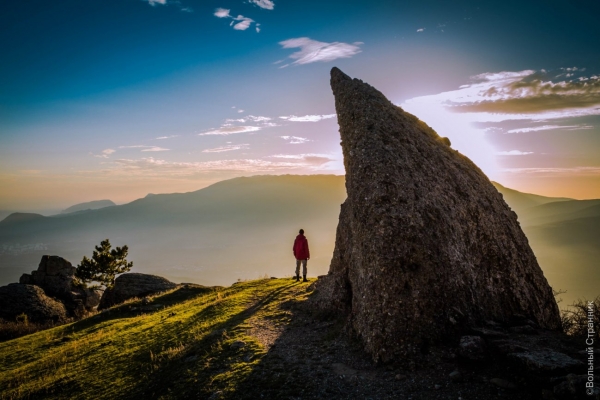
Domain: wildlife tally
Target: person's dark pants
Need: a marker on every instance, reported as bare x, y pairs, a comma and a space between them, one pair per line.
303, 267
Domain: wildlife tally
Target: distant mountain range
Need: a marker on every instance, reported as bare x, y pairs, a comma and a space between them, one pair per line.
90, 205
244, 228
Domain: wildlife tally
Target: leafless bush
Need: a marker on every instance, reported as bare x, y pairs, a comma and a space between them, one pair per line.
580, 316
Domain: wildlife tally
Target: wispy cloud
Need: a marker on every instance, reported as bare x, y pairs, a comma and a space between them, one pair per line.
144, 147
295, 139
253, 118
155, 2
308, 118
551, 171
242, 24
525, 93
549, 127
153, 168
166, 137
513, 95
514, 153
222, 13
314, 51
229, 147
312, 159
420, 29
156, 148
105, 153
230, 130
266, 4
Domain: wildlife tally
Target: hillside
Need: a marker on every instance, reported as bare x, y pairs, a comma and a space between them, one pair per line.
256, 339
90, 205
244, 228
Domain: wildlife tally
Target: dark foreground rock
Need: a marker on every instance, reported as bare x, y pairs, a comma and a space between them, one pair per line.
17, 299
55, 276
312, 357
426, 246
132, 285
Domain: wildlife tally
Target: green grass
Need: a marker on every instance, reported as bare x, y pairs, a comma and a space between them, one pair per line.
180, 349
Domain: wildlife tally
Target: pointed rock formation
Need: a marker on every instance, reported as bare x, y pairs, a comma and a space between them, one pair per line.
425, 246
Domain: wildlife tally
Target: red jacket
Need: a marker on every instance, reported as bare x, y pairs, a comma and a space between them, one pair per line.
300, 248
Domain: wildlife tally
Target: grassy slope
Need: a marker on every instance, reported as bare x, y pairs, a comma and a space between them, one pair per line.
180, 351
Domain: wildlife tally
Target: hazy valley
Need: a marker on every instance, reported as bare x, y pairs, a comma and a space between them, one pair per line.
243, 228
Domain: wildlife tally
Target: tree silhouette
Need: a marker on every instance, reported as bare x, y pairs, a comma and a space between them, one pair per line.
104, 265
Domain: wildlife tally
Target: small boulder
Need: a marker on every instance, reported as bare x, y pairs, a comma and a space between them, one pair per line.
128, 286
16, 299
547, 362
472, 348
503, 383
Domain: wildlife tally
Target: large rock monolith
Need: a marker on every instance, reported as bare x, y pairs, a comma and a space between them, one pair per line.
425, 246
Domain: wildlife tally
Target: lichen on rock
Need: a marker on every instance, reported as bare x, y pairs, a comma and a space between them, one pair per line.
425, 245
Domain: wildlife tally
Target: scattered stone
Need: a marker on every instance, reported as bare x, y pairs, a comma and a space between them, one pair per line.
472, 348
17, 299
132, 285
548, 362
503, 383
402, 179
238, 344
401, 377
437, 387
455, 376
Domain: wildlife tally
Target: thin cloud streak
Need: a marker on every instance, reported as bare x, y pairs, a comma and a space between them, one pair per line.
308, 118
550, 127
155, 168
266, 4
223, 149
514, 153
243, 24
314, 51
230, 130
295, 139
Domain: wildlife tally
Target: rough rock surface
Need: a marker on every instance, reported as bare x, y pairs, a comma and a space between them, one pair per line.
55, 276
132, 285
425, 245
16, 299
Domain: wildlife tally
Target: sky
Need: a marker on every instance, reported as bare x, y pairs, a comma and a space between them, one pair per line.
116, 99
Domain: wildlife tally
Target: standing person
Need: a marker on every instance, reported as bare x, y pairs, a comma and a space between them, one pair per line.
302, 254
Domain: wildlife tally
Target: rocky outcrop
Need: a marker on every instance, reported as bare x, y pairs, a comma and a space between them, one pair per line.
17, 299
55, 276
425, 245
132, 285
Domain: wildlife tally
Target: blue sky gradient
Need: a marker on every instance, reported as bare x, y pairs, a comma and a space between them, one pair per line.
88, 87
